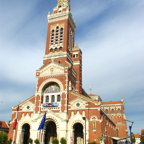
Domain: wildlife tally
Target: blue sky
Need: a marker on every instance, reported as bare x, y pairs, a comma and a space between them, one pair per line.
110, 34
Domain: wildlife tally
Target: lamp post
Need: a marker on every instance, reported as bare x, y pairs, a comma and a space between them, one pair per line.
130, 127
84, 118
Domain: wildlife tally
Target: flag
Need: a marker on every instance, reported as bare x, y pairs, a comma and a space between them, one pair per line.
41, 126
15, 123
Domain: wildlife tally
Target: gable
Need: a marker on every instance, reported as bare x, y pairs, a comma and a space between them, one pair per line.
52, 68
28, 106
77, 103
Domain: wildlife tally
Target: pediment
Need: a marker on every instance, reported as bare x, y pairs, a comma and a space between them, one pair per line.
28, 106
78, 103
52, 68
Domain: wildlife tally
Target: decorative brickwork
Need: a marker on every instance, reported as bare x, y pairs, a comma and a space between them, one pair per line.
59, 92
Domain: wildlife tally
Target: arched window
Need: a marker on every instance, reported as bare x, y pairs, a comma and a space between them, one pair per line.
51, 50
56, 49
117, 132
53, 98
112, 111
60, 48
119, 111
106, 111
58, 98
47, 98
94, 123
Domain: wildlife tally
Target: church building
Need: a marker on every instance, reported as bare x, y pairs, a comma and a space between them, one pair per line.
70, 111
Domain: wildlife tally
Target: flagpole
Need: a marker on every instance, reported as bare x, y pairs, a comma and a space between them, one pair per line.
15, 123
41, 126
13, 136
42, 135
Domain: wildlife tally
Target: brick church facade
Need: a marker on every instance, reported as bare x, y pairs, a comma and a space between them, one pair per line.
59, 91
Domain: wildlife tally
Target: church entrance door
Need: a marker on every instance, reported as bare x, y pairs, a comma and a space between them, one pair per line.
78, 133
50, 132
25, 133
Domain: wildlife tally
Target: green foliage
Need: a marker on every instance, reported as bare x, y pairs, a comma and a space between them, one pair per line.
9, 141
3, 137
92, 143
36, 141
133, 138
63, 140
142, 139
30, 140
55, 141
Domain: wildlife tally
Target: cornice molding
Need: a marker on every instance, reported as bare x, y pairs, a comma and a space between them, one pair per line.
61, 16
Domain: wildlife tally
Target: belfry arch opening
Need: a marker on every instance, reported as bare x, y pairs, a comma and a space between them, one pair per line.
25, 133
51, 132
78, 133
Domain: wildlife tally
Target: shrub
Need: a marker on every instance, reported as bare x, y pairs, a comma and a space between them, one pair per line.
142, 139
9, 141
3, 137
36, 141
63, 140
30, 140
55, 141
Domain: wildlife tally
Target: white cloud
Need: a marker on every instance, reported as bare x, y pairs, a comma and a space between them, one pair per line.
110, 34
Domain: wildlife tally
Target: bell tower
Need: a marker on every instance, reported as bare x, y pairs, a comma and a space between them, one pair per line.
60, 34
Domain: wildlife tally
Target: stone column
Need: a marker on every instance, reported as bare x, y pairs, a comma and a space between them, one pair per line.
55, 98
44, 98
50, 98
43, 135
22, 136
40, 95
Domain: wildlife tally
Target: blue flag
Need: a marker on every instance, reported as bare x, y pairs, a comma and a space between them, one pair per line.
41, 126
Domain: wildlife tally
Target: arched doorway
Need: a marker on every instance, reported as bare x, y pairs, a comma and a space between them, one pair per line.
50, 132
78, 133
25, 133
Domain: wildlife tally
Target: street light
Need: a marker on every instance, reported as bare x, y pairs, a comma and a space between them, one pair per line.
84, 118
130, 127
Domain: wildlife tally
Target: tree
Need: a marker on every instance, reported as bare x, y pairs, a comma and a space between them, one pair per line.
3, 137
142, 139
63, 140
55, 141
133, 138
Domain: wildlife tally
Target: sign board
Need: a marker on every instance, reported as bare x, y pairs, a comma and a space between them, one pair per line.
50, 105
72, 138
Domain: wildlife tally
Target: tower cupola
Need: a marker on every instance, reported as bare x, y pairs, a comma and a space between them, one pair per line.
63, 5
